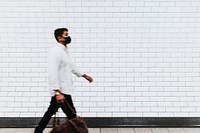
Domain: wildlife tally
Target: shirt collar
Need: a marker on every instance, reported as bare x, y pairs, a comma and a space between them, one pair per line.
61, 46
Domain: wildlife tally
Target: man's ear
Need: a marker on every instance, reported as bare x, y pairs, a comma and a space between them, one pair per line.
59, 37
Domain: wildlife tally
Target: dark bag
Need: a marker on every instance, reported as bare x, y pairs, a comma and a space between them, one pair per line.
74, 125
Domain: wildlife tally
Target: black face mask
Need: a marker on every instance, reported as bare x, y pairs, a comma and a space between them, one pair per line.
67, 40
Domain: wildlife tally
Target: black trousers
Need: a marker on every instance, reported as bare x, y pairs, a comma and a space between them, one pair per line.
52, 110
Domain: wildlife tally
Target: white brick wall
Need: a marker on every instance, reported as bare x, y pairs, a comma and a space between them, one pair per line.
144, 56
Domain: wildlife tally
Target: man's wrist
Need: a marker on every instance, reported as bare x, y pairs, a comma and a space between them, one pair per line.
84, 75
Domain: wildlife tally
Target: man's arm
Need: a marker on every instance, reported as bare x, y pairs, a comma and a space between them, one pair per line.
77, 72
53, 65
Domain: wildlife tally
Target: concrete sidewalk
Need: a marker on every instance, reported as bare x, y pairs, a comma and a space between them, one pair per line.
113, 130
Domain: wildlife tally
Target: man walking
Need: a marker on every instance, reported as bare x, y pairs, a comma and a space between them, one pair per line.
60, 67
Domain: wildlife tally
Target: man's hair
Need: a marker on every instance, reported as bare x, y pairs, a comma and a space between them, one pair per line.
58, 32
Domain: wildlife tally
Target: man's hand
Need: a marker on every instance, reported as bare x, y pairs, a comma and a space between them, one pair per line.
60, 98
88, 78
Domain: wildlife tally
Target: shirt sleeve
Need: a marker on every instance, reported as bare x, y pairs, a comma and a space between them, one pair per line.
53, 66
74, 69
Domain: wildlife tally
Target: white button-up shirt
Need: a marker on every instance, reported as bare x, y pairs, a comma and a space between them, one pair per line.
60, 69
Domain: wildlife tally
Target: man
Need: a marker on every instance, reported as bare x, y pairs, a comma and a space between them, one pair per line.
60, 67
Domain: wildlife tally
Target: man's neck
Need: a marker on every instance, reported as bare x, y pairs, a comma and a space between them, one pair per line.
62, 43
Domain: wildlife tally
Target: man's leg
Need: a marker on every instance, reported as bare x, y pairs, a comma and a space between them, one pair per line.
47, 116
67, 111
